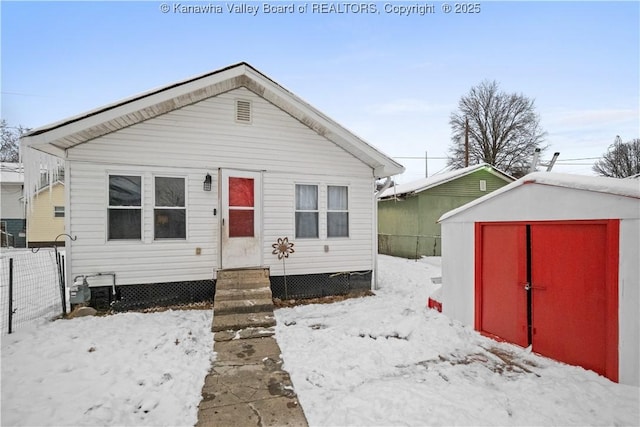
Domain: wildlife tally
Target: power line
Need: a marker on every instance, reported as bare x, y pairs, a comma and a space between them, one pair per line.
420, 158
445, 158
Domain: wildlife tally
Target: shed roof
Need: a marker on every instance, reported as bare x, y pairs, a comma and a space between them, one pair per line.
58, 137
596, 184
441, 178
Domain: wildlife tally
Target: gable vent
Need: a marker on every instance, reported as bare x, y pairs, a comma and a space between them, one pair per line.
243, 111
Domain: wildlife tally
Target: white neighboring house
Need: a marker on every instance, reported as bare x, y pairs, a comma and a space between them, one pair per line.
166, 188
551, 261
12, 210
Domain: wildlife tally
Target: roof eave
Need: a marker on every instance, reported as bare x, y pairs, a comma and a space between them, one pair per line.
58, 137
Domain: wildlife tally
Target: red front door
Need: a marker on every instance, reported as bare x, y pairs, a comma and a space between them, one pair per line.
241, 224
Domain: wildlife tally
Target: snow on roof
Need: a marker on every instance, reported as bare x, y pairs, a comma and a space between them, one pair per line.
597, 184
11, 173
438, 179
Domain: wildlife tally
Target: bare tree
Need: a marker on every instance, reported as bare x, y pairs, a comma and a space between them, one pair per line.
503, 130
10, 148
621, 160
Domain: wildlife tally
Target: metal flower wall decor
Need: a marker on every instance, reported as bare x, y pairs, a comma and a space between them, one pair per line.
283, 248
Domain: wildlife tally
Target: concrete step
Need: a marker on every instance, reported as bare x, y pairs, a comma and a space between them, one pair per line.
263, 292
236, 322
246, 284
244, 334
232, 278
242, 306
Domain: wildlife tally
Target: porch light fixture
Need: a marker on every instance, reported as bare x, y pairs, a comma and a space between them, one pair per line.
206, 186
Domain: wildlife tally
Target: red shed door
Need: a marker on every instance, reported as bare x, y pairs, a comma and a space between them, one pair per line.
569, 312
569, 293
501, 298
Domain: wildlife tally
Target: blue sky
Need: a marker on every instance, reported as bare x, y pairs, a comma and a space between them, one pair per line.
394, 80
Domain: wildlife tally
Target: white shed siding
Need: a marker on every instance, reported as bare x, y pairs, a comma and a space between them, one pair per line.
200, 139
534, 202
458, 274
629, 296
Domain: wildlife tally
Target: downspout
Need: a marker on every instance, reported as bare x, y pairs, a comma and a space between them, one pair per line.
387, 184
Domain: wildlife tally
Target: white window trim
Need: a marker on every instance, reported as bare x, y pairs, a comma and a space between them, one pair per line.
186, 204
347, 211
318, 211
141, 208
323, 210
57, 211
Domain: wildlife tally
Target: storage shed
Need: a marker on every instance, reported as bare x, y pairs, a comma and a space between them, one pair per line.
551, 261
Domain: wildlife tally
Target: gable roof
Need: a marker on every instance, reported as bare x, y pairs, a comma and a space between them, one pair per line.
434, 180
596, 184
57, 137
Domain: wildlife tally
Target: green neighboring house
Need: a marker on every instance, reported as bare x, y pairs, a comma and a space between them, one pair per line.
408, 213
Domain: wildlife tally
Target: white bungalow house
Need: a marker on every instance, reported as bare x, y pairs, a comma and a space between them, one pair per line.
167, 188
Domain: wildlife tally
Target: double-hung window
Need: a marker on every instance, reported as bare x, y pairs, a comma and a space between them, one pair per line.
125, 207
337, 211
170, 219
306, 211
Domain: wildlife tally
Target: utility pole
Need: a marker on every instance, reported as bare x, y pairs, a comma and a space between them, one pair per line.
466, 142
426, 165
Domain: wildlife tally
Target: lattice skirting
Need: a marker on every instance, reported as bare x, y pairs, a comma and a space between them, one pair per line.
133, 297
319, 285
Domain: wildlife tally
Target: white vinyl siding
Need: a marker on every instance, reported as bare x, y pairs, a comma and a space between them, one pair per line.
343, 254
206, 134
146, 260
200, 139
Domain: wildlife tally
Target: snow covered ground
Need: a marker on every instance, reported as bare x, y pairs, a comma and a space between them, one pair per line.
129, 369
381, 360
386, 360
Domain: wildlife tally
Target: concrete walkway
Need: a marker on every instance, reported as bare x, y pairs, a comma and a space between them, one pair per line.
248, 387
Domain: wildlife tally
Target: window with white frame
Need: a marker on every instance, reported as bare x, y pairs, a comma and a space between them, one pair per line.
306, 211
170, 213
337, 211
125, 207
58, 211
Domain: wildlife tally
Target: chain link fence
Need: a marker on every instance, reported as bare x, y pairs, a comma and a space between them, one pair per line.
410, 246
31, 287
